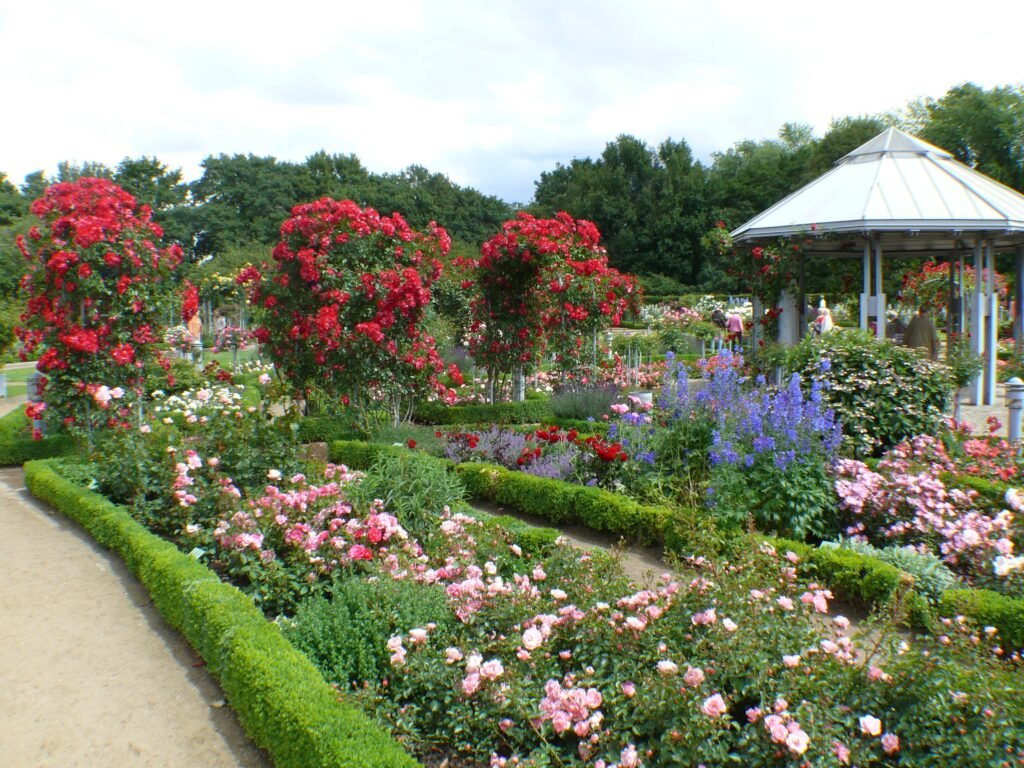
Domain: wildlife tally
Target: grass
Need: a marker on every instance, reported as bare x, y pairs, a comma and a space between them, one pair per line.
16, 379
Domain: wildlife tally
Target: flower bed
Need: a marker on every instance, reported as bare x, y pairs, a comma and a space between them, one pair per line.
279, 697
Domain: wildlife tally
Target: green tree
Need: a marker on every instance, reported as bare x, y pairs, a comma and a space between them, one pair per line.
12, 203
983, 129
35, 185
843, 136
68, 171
243, 199
154, 184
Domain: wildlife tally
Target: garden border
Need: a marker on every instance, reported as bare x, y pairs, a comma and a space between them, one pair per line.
280, 698
863, 579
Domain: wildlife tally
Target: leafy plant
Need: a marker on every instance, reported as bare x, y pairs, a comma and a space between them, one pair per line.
931, 576
882, 394
415, 488
589, 402
346, 636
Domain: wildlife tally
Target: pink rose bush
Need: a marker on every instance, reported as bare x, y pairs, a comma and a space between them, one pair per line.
906, 501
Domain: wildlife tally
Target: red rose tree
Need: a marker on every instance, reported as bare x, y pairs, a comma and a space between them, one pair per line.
343, 304
543, 284
94, 280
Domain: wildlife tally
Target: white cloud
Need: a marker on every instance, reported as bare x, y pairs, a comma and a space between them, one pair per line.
491, 94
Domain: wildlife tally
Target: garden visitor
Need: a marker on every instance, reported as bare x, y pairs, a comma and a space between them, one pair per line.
922, 333
894, 327
734, 325
195, 329
823, 322
718, 317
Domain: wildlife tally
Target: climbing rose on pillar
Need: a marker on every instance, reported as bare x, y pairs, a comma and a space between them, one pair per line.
96, 295
343, 304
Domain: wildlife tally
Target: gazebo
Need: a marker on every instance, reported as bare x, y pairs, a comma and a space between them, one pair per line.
900, 196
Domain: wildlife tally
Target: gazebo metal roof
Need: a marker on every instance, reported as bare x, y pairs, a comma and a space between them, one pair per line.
906, 193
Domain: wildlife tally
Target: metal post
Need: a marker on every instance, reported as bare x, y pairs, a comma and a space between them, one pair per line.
991, 326
978, 325
1018, 303
963, 298
949, 313
865, 297
879, 294
1015, 404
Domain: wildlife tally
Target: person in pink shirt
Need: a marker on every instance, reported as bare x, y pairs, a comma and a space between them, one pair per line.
734, 325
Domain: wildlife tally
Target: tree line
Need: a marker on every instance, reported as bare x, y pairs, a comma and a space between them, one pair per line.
652, 204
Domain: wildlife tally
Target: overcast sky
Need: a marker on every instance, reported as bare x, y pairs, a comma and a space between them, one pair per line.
490, 93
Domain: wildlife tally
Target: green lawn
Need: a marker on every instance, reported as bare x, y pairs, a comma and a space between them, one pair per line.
16, 378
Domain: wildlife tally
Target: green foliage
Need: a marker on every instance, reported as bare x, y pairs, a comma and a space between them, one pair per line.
931, 576
565, 502
882, 393
981, 128
648, 203
346, 637
526, 412
315, 429
281, 700
414, 487
17, 445
988, 608
590, 402
797, 501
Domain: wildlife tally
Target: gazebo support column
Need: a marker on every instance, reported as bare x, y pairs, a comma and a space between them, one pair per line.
991, 326
879, 294
962, 328
865, 296
978, 326
949, 310
1018, 303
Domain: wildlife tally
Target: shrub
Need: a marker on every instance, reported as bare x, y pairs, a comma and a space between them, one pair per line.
96, 283
346, 636
882, 393
17, 445
413, 486
590, 402
931, 576
527, 412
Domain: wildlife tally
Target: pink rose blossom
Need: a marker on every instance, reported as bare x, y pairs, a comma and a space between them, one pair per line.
628, 689
842, 752
666, 668
532, 638
870, 726
890, 743
791, 661
714, 706
694, 676
798, 741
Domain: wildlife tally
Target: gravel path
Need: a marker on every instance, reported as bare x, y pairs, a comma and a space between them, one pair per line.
90, 674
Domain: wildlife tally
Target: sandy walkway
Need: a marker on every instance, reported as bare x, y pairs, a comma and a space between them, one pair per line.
90, 675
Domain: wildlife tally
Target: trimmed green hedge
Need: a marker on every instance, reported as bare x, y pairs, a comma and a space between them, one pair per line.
280, 698
317, 429
356, 454
527, 412
17, 445
565, 502
988, 609
862, 579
